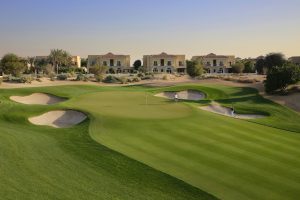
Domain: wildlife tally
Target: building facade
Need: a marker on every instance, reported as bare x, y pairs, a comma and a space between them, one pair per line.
115, 63
216, 63
165, 63
295, 60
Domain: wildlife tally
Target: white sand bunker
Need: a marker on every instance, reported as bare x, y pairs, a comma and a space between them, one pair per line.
217, 108
184, 95
38, 98
59, 118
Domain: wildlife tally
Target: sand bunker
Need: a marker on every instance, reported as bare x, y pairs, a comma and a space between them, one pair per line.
184, 95
217, 108
59, 118
38, 98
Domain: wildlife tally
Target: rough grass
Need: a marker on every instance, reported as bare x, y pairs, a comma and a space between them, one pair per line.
228, 158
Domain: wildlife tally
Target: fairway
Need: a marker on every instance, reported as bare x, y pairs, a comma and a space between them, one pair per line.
135, 145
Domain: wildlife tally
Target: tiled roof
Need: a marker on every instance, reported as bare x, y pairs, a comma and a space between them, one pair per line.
163, 54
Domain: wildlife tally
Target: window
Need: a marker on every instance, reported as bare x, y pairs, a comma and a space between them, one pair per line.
111, 62
214, 71
221, 63
93, 63
155, 63
162, 70
169, 63
119, 70
215, 62
104, 63
208, 64
230, 63
180, 63
169, 70
155, 70
118, 63
162, 62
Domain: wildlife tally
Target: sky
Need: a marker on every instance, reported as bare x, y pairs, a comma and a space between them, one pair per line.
245, 28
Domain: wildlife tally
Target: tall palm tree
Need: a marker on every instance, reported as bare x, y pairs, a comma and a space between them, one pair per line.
59, 57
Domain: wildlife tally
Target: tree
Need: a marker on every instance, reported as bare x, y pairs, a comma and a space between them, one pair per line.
249, 67
99, 71
12, 64
83, 62
59, 57
31, 62
137, 64
260, 65
274, 60
194, 68
238, 67
278, 78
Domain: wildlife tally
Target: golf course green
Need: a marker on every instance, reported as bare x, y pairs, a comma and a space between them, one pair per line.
135, 145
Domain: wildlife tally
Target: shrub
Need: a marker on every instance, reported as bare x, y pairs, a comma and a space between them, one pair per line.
238, 67
123, 80
52, 76
165, 77
140, 75
194, 68
136, 79
99, 77
111, 79
148, 77
80, 77
39, 80
62, 77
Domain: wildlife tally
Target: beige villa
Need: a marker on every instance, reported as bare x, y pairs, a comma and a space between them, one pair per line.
216, 63
165, 63
115, 63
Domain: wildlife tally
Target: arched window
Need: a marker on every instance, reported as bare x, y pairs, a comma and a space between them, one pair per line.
169, 70
155, 70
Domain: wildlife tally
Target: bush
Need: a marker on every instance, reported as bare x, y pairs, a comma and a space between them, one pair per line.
165, 77
238, 67
148, 77
62, 77
99, 77
136, 79
140, 75
111, 79
123, 80
194, 68
80, 77
52, 76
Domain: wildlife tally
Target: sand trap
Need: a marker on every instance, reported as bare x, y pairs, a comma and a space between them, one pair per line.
184, 95
217, 108
59, 118
38, 98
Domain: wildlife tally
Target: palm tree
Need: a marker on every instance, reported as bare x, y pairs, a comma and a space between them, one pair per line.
59, 57
32, 62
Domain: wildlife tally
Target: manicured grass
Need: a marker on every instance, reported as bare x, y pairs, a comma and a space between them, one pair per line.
137, 139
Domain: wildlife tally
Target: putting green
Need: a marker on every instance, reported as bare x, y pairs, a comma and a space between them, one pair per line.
212, 154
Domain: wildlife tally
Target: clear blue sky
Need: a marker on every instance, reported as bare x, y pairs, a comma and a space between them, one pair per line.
246, 28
